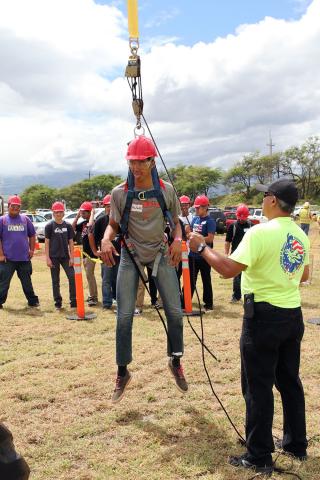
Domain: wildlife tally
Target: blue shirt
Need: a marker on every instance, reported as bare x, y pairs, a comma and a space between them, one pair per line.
203, 226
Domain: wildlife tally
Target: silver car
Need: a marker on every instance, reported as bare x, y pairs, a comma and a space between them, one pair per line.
39, 223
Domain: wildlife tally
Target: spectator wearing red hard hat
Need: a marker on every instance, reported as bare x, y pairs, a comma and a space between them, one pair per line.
185, 216
59, 252
140, 208
234, 235
88, 255
203, 224
108, 274
17, 242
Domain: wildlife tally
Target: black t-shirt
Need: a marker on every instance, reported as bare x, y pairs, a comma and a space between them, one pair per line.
59, 235
84, 230
236, 232
99, 229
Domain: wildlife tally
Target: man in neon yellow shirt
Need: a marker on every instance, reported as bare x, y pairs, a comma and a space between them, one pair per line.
274, 259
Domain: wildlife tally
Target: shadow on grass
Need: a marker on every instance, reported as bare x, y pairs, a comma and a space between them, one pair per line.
310, 305
202, 448
28, 311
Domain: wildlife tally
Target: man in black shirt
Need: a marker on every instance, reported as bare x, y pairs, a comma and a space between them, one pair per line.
108, 274
88, 255
235, 233
59, 251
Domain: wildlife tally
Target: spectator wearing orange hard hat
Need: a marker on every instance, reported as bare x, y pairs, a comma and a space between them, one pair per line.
234, 235
59, 252
17, 242
88, 255
108, 274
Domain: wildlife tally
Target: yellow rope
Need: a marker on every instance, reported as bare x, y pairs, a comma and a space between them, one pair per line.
95, 260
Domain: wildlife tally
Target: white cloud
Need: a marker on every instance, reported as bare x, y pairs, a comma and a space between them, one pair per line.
162, 17
65, 104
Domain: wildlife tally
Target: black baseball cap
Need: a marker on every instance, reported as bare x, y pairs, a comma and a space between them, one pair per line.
284, 189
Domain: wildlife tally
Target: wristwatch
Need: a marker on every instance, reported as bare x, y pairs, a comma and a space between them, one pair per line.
201, 247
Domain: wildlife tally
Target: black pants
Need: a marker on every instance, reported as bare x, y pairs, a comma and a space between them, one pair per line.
196, 265
55, 277
270, 355
24, 272
237, 287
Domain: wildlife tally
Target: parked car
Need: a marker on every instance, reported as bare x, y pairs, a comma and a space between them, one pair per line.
218, 215
42, 211
47, 215
232, 208
69, 217
231, 217
39, 223
257, 216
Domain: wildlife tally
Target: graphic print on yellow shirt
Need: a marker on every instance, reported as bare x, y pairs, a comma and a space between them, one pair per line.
292, 255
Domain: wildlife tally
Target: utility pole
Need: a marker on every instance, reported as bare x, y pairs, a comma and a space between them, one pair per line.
270, 144
89, 175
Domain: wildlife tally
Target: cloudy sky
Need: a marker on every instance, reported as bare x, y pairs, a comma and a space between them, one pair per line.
217, 77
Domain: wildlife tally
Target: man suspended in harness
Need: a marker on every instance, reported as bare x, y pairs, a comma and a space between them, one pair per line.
140, 208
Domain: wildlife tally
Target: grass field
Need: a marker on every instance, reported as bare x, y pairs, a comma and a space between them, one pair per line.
57, 377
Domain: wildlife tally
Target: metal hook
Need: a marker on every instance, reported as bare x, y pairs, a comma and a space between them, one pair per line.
138, 127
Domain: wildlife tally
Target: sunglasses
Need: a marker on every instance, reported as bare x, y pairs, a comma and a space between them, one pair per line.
268, 194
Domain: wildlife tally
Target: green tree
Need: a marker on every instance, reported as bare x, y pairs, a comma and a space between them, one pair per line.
267, 167
192, 180
243, 175
38, 196
94, 189
303, 165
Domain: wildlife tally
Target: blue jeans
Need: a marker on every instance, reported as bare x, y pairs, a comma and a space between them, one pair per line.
127, 286
24, 272
109, 282
305, 227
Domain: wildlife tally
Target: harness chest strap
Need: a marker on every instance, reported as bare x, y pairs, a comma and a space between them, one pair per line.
158, 186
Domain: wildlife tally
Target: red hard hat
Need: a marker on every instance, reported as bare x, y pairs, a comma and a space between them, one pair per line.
141, 148
107, 199
184, 199
86, 206
57, 207
14, 200
242, 212
201, 201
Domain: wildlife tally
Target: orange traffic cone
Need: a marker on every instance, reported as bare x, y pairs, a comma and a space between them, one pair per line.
187, 284
80, 315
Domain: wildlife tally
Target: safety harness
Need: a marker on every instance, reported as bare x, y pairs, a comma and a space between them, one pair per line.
142, 195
